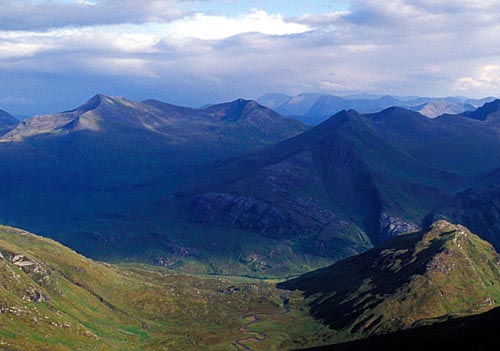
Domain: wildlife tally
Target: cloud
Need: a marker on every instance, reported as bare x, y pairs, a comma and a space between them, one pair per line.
13, 50
15, 100
403, 47
45, 14
218, 27
486, 78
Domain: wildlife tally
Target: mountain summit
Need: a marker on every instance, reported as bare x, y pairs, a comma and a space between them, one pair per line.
106, 112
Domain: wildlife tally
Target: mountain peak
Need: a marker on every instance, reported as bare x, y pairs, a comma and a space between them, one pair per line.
238, 110
399, 109
95, 102
388, 99
443, 226
396, 114
243, 103
339, 118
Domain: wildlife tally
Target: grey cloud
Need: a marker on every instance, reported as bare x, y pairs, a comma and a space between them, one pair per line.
30, 15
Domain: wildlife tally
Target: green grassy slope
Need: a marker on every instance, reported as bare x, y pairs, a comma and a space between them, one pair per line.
410, 280
54, 299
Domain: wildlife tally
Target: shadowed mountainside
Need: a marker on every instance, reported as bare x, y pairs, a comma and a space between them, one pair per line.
7, 122
76, 161
120, 180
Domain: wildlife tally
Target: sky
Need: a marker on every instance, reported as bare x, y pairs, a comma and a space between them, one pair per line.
56, 54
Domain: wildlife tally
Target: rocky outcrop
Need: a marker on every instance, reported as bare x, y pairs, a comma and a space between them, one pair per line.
391, 226
248, 214
311, 228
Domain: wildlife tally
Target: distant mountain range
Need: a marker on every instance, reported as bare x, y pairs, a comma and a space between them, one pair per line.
313, 108
112, 145
236, 188
349, 183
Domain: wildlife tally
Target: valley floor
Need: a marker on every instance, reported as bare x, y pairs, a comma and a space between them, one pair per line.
235, 313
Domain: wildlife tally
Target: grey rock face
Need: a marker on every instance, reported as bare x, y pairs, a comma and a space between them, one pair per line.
391, 226
247, 214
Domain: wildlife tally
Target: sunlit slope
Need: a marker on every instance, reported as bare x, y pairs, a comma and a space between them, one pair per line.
52, 298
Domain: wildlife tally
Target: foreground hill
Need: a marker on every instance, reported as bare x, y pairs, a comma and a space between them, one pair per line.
411, 280
54, 299
51, 298
7, 122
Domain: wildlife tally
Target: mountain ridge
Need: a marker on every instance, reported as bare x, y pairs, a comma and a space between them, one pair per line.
313, 108
413, 279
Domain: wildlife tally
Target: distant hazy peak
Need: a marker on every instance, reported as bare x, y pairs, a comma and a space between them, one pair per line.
273, 100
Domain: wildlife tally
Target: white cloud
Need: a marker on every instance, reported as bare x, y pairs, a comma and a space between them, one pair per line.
207, 27
15, 50
484, 80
